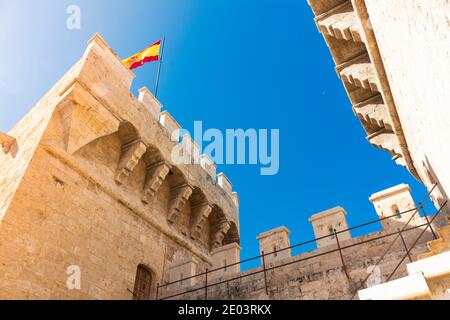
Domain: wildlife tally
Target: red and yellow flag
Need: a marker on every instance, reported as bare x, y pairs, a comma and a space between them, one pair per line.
148, 55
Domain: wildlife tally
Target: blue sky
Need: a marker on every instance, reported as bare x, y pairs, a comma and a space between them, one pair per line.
231, 64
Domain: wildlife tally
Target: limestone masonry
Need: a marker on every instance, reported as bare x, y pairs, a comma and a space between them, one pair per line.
393, 58
323, 273
87, 180
92, 205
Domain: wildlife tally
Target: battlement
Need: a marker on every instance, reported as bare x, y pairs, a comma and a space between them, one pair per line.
104, 82
390, 192
107, 80
329, 271
90, 126
151, 106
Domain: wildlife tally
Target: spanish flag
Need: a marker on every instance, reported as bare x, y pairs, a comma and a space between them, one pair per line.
148, 55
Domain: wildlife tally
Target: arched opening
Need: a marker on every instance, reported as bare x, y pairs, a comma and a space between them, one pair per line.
200, 212
179, 209
218, 228
127, 132
232, 235
152, 156
175, 177
143, 283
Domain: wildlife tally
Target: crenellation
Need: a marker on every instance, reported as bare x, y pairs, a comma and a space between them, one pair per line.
220, 230
227, 259
190, 149
150, 102
373, 114
165, 146
272, 241
224, 183
107, 157
101, 50
398, 202
118, 204
329, 225
361, 76
323, 6
171, 125
236, 199
321, 273
209, 166
359, 72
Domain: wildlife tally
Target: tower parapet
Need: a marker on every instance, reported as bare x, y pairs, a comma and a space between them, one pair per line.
111, 184
348, 33
150, 102
398, 202
272, 241
227, 258
327, 223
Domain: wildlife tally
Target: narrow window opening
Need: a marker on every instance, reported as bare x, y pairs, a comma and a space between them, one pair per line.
396, 211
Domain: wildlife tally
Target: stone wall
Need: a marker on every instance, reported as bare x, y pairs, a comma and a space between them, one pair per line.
393, 57
92, 184
26, 134
319, 274
416, 58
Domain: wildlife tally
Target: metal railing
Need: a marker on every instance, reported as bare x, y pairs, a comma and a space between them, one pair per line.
339, 248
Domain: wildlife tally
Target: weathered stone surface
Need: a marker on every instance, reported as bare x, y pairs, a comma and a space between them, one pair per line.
329, 225
88, 185
340, 22
322, 273
272, 241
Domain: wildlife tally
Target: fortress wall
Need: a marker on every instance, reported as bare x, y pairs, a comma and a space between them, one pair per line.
413, 37
86, 227
321, 277
27, 134
100, 191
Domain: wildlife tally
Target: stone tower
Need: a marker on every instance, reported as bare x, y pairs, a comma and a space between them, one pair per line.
87, 183
390, 87
397, 202
326, 223
270, 242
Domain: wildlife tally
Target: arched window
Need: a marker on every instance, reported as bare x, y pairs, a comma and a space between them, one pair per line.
396, 211
143, 283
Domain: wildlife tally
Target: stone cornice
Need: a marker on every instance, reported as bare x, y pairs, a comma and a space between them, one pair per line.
377, 61
346, 28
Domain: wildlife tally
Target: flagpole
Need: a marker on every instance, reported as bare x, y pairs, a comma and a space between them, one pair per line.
163, 41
